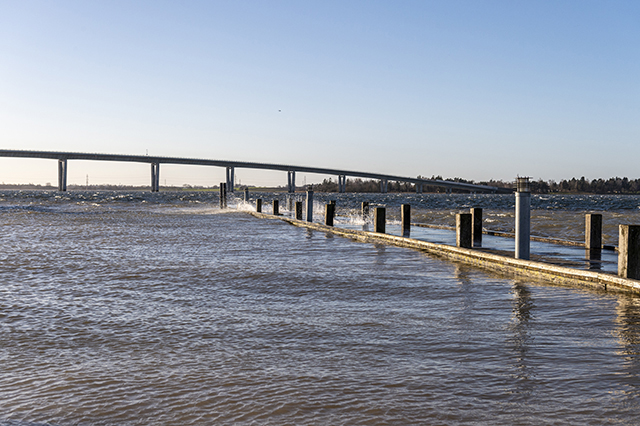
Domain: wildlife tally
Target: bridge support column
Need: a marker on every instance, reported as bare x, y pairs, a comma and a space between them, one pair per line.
383, 185
62, 174
523, 218
230, 179
342, 184
418, 188
291, 181
155, 177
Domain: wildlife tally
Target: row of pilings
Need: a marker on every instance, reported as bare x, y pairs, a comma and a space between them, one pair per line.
469, 228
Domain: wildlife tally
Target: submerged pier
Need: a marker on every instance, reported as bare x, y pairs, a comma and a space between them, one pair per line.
468, 246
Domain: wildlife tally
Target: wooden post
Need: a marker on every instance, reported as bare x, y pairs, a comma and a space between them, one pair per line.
276, 207
223, 195
309, 205
379, 220
405, 218
463, 230
329, 211
259, 205
476, 226
629, 251
299, 210
365, 209
593, 231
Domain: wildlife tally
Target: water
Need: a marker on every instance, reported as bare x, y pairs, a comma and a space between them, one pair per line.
141, 309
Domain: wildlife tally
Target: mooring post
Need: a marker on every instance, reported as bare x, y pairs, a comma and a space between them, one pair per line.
523, 218
405, 218
476, 226
379, 219
365, 210
276, 207
463, 230
629, 251
329, 211
223, 195
246, 194
593, 231
299, 210
309, 205
62, 174
259, 205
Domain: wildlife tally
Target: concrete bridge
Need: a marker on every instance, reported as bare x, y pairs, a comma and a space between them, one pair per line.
64, 157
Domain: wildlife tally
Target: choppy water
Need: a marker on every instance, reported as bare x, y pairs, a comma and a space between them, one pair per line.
158, 309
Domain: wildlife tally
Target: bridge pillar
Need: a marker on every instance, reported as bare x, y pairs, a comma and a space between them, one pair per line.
383, 185
342, 184
62, 174
291, 181
418, 188
230, 179
155, 177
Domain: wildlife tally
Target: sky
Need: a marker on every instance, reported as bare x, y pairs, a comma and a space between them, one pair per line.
475, 89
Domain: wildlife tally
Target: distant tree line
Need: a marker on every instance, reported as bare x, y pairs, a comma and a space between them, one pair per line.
615, 185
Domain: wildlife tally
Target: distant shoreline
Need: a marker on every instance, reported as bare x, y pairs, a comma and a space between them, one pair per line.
190, 188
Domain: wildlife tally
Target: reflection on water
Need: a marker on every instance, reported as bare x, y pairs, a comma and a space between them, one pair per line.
594, 258
521, 340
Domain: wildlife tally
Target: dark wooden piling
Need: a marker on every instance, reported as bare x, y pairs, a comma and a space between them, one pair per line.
405, 218
299, 210
629, 251
329, 212
476, 226
463, 230
379, 219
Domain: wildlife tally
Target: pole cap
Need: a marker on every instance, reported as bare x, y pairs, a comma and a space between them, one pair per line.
522, 184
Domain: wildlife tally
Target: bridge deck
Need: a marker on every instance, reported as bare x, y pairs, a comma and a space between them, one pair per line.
58, 155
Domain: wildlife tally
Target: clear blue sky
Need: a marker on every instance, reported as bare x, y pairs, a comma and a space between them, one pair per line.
475, 89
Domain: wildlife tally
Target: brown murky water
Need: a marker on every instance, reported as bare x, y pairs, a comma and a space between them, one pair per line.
146, 309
